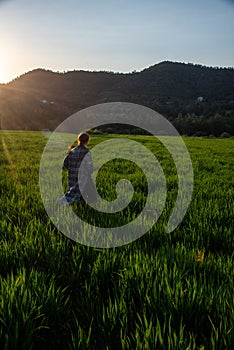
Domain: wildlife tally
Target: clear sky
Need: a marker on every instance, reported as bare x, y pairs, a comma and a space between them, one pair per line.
116, 35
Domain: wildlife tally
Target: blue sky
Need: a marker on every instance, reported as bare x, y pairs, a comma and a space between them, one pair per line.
123, 35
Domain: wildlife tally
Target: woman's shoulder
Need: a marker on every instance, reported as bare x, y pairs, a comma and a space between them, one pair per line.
79, 149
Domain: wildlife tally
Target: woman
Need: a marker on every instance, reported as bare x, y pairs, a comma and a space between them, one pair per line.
72, 163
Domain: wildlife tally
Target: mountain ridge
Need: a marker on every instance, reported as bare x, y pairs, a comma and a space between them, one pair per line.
43, 99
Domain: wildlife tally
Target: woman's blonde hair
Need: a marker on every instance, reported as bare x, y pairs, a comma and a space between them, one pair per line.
83, 138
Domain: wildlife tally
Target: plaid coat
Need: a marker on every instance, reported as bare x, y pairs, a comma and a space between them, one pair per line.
72, 163
86, 186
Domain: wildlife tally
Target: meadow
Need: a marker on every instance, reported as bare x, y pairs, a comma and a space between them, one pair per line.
163, 291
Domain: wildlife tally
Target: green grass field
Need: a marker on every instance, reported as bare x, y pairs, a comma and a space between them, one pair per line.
159, 292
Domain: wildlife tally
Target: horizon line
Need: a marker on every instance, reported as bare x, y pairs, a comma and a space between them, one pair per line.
134, 71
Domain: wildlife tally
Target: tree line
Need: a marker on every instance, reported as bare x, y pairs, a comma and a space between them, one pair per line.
194, 125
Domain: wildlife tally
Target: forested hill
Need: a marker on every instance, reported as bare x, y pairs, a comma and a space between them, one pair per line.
195, 98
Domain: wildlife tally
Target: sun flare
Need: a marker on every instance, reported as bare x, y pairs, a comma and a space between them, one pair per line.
3, 77
1, 73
